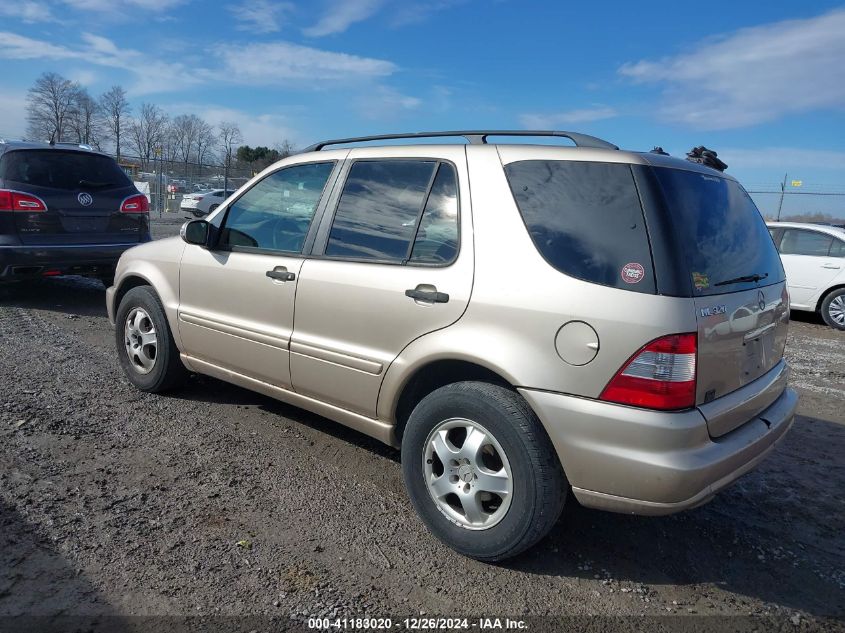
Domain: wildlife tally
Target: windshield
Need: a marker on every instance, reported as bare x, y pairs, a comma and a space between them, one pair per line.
57, 169
721, 236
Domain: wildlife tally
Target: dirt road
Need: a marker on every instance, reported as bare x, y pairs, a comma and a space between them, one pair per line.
218, 501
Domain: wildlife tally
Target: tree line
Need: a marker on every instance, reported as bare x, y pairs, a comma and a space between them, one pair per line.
63, 111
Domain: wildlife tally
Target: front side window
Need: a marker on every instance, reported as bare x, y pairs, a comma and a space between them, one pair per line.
798, 242
276, 213
837, 249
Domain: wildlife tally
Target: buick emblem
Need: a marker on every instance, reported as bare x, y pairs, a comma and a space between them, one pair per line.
761, 300
85, 199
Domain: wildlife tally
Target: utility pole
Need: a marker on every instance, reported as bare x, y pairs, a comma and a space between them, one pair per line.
782, 191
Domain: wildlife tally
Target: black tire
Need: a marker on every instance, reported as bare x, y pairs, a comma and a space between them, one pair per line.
834, 298
213, 208
539, 484
167, 372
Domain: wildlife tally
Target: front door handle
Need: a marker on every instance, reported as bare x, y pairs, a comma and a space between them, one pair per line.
430, 296
831, 266
280, 273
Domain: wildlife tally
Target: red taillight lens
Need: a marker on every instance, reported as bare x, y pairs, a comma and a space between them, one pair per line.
17, 201
659, 376
135, 204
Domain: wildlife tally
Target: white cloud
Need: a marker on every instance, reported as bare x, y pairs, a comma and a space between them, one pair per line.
277, 62
414, 12
754, 75
260, 16
781, 158
100, 51
112, 7
341, 14
27, 11
13, 121
386, 103
570, 117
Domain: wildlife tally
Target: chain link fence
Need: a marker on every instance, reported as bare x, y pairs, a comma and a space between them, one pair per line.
804, 202
166, 181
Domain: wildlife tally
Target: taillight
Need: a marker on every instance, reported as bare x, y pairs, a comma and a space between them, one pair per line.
18, 201
659, 376
135, 204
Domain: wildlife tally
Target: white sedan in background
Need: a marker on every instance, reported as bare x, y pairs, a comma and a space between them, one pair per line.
813, 257
204, 202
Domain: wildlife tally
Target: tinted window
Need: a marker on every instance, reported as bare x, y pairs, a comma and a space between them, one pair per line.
58, 169
719, 232
437, 236
586, 220
276, 212
797, 242
378, 209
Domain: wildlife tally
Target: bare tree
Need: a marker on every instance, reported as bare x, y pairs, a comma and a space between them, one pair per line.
84, 124
147, 132
49, 104
285, 149
184, 130
205, 142
116, 110
230, 136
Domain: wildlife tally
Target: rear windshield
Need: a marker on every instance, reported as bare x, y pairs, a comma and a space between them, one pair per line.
56, 169
720, 234
586, 220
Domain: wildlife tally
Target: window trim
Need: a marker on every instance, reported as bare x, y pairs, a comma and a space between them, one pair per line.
324, 231
786, 229
316, 218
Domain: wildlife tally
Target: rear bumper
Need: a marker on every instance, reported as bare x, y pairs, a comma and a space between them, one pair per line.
31, 261
636, 461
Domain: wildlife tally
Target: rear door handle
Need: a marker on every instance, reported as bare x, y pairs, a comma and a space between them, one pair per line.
430, 296
831, 266
280, 273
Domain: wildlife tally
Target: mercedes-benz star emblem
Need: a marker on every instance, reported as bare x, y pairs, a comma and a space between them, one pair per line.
761, 300
85, 199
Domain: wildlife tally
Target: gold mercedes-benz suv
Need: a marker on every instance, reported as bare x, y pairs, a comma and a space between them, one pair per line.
526, 321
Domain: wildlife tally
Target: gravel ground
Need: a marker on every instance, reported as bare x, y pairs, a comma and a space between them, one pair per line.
217, 501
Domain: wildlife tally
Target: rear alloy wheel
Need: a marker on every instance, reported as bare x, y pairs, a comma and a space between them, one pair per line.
481, 471
833, 309
213, 208
145, 346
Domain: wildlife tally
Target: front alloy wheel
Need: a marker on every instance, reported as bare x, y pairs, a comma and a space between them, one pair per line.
140, 340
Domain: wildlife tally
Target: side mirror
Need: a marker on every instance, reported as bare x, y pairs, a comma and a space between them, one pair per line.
195, 232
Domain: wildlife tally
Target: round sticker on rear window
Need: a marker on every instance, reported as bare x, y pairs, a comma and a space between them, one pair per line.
633, 273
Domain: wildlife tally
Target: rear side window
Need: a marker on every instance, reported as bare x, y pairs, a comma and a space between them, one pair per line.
56, 169
798, 242
586, 220
397, 211
719, 233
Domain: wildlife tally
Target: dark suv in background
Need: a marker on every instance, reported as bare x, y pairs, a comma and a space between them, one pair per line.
65, 210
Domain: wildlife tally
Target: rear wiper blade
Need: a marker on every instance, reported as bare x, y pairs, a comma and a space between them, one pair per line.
94, 185
738, 280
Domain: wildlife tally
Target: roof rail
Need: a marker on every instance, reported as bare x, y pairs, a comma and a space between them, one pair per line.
474, 137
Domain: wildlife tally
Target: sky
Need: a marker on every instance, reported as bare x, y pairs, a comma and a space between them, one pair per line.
762, 83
